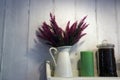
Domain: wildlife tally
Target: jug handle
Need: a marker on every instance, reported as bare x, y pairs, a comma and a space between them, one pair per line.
51, 53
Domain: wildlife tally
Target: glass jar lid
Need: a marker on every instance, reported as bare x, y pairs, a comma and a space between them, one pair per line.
105, 44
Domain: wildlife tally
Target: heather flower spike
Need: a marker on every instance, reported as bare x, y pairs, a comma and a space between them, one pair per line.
55, 36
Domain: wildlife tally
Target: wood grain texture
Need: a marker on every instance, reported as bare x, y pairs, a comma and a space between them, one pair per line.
38, 53
87, 8
15, 40
106, 23
64, 12
2, 5
2, 11
118, 25
23, 59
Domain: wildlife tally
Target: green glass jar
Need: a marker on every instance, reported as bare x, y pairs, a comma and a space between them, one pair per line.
86, 63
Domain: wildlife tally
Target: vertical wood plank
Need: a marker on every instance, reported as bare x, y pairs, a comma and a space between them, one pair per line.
1, 25
38, 53
106, 20
2, 6
64, 12
14, 64
118, 24
87, 8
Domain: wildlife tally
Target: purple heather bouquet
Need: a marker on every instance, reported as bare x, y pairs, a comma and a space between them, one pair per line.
55, 36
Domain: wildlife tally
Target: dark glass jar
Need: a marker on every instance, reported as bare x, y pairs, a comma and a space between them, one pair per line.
106, 60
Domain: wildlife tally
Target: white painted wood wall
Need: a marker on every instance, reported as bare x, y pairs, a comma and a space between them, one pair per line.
21, 58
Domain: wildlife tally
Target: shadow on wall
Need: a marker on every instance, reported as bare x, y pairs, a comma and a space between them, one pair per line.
39, 54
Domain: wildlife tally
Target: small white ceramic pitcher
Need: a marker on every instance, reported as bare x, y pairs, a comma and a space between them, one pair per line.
63, 63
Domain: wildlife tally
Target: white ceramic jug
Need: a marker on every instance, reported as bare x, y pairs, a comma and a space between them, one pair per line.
63, 63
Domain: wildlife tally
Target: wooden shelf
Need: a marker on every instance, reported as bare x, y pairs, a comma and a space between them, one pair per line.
49, 77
